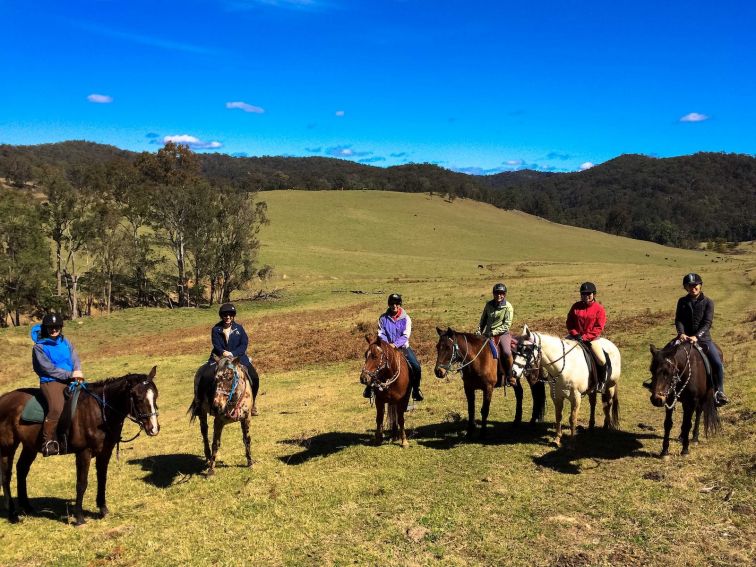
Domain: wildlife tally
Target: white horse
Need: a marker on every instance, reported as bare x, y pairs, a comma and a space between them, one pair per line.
562, 364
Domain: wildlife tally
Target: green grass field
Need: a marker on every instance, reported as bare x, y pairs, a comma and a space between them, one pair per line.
320, 493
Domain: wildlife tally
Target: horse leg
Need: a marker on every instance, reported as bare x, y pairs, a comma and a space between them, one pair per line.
699, 409
380, 410
217, 432
102, 461
538, 392
685, 428
470, 393
592, 401
518, 397
667, 429
25, 460
400, 420
203, 430
558, 406
574, 409
83, 459
247, 440
484, 408
6, 471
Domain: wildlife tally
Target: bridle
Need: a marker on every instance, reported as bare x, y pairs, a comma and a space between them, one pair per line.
231, 391
375, 383
455, 355
534, 358
677, 377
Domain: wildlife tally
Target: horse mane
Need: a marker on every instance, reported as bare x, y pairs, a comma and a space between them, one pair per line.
116, 380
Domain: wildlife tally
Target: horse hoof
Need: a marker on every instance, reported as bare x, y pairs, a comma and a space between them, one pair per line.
684, 453
404, 444
210, 472
664, 456
14, 519
104, 512
250, 463
79, 522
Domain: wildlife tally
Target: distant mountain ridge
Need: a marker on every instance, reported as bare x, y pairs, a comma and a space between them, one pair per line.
677, 201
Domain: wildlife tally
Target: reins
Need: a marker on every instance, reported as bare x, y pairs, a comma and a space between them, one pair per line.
377, 384
676, 377
537, 357
456, 351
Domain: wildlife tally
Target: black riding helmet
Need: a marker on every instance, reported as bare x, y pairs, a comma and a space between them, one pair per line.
227, 309
587, 287
51, 320
394, 299
500, 287
692, 279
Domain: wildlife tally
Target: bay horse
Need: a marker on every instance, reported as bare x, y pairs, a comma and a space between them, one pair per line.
223, 390
387, 372
679, 374
479, 372
94, 432
562, 364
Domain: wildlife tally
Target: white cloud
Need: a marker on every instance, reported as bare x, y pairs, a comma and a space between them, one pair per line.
192, 141
245, 107
586, 165
694, 117
514, 162
100, 98
340, 113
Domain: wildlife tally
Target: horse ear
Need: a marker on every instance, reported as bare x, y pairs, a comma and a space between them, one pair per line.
152, 373
526, 331
653, 349
369, 338
439, 331
450, 331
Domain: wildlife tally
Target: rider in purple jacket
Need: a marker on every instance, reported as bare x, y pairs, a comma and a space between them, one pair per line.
395, 327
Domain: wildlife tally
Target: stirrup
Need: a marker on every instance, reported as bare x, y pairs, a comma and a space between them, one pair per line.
720, 399
50, 448
417, 395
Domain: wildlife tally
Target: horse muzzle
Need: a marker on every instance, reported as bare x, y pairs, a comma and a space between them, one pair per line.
365, 378
657, 400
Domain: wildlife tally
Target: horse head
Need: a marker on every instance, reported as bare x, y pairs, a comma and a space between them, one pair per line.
525, 356
228, 373
376, 360
144, 407
446, 351
665, 374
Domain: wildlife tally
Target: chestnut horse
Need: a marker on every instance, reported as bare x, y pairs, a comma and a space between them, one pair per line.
224, 390
678, 374
95, 430
478, 366
562, 364
386, 371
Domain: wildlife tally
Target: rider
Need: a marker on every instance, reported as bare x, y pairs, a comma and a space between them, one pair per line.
693, 318
495, 323
57, 363
395, 327
229, 339
585, 322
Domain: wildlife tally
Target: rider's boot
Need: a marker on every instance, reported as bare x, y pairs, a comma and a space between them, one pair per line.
600, 378
50, 444
720, 398
508, 364
417, 395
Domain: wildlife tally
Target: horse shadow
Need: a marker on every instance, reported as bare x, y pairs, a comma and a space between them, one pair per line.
167, 470
597, 445
322, 445
449, 434
55, 509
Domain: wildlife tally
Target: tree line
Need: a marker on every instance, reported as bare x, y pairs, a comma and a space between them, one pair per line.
139, 230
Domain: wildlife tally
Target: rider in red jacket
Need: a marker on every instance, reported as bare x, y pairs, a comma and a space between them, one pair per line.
585, 322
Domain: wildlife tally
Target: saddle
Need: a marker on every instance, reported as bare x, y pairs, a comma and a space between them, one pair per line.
35, 411
703, 350
593, 366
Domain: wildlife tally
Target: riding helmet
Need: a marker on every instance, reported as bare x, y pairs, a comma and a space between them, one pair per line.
500, 287
587, 287
692, 279
52, 320
227, 309
394, 299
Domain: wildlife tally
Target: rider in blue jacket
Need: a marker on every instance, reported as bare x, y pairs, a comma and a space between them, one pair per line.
57, 363
229, 339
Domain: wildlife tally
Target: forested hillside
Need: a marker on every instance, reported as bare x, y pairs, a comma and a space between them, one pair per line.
677, 201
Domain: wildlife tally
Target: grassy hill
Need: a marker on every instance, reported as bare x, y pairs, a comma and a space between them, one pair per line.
319, 493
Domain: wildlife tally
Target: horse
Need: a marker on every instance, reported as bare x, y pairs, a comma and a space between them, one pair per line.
679, 374
95, 429
225, 393
479, 372
387, 372
562, 363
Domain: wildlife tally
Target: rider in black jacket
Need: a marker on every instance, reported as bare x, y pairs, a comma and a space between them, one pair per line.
693, 318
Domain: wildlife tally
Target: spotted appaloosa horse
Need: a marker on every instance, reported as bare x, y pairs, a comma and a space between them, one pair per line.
224, 390
386, 371
678, 374
478, 366
562, 364
95, 430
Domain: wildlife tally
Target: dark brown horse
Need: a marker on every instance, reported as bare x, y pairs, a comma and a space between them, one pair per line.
224, 390
478, 366
386, 371
95, 430
678, 374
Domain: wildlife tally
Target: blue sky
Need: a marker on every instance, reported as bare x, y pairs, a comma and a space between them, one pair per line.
480, 87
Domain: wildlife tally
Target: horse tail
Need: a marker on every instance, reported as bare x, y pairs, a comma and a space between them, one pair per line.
712, 423
539, 400
614, 420
193, 407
